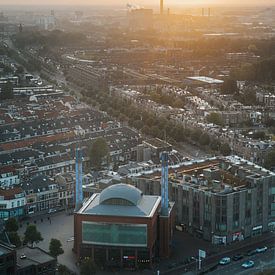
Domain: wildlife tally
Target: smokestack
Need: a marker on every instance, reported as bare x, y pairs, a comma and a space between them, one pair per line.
161, 7
209, 12
202, 12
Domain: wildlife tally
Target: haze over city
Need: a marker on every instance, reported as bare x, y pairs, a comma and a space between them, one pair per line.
138, 2
137, 137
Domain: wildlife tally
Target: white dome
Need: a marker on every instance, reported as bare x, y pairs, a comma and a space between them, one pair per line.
121, 191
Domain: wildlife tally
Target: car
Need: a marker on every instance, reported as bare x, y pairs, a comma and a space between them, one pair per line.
172, 265
248, 264
51, 211
224, 261
251, 252
23, 256
237, 257
189, 260
261, 249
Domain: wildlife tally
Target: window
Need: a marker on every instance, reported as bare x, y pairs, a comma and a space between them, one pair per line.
117, 201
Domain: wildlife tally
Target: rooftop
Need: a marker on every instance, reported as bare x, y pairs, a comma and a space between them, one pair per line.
206, 79
121, 200
34, 256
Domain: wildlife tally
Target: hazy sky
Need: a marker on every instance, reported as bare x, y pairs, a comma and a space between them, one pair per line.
137, 2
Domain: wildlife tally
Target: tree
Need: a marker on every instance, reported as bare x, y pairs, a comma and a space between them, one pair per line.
214, 118
204, 139
269, 161
31, 235
14, 238
63, 270
229, 86
97, 152
225, 149
7, 91
87, 267
55, 248
11, 225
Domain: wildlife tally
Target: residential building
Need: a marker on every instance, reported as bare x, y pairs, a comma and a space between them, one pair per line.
12, 202
42, 194
8, 176
221, 200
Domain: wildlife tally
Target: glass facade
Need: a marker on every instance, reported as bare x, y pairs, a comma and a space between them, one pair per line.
134, 235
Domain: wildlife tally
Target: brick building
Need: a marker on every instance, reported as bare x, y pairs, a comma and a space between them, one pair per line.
122, 227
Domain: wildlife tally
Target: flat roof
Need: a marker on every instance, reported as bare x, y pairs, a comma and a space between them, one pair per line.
34, 256
206, 79
146, 207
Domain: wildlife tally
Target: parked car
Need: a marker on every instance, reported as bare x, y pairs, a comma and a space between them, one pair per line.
237, 257
248, 264
251, 252
189, 260
261, 249
224, 261
52, 211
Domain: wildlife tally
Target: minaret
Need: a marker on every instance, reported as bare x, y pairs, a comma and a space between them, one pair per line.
78, 179
164, 183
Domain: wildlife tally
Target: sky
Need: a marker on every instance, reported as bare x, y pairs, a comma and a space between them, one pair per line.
137, 2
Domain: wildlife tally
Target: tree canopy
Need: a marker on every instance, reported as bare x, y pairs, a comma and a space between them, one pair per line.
55, 248
31, 235
214, 118
97, 152
87, 267
270, 160
6, 91
11, 225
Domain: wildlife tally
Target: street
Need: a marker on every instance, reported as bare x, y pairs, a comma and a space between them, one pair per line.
261, 260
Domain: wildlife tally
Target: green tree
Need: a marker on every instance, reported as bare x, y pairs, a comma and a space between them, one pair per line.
11, 225
229, 86
269, 161
87, 267
7, 91
98, 151
63, 270
14, 239
31, 235
55, 248
214, 118
204, 139
225, 149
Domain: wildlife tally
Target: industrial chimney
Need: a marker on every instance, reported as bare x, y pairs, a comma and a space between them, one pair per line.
161, 7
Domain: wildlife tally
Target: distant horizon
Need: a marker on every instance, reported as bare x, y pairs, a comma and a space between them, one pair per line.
143, 3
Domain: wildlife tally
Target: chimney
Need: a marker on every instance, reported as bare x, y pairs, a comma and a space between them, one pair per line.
161, 7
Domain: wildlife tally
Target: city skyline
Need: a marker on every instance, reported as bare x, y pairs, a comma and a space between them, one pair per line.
138, 3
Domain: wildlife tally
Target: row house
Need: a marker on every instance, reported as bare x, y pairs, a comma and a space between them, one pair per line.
41, 194
8, 176
12, 203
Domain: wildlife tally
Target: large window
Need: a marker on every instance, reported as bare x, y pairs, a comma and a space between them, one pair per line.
114, 234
